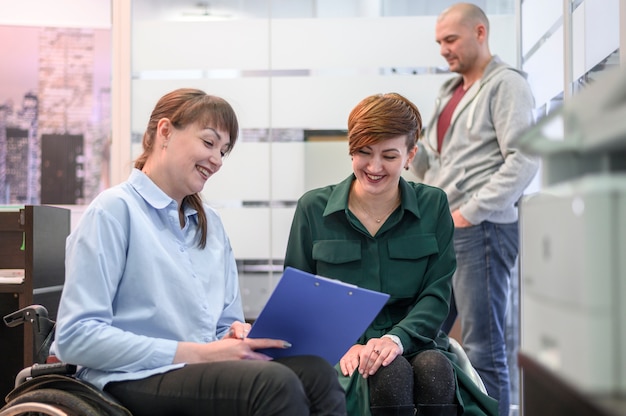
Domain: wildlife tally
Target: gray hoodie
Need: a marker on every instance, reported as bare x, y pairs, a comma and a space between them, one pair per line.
481, 167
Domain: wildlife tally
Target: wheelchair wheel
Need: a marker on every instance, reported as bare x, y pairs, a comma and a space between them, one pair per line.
25, 409
48, 402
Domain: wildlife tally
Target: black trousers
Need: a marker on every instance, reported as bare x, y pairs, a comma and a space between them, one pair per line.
292, 386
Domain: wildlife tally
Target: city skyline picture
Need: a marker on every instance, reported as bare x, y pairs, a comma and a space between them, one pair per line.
55, 114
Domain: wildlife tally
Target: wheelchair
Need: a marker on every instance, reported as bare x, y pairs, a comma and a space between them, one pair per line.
51, 389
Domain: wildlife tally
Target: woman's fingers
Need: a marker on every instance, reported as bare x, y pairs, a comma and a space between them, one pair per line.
261, 343
239, 330
376, 353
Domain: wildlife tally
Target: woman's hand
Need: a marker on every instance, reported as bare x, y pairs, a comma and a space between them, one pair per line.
376, 353
228, 348
238, 330
350, 360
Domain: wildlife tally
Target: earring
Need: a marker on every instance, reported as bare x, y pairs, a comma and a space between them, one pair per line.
406, 167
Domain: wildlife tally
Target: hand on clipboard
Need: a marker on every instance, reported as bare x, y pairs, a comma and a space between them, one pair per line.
316, 315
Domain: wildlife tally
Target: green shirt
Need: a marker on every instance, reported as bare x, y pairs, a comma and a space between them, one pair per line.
411, 257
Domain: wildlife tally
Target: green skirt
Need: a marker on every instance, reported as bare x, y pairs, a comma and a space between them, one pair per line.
469, 396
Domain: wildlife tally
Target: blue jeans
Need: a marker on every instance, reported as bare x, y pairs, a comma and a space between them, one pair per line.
485, 254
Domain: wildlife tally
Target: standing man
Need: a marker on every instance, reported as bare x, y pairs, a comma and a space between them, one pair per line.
471, 151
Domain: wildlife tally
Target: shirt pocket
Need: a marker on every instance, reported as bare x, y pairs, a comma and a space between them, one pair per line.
337, 258
409, 256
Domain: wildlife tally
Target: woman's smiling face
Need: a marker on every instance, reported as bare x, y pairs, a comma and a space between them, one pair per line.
378, 166
193, 154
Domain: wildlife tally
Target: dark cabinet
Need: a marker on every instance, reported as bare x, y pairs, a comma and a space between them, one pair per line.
31, 238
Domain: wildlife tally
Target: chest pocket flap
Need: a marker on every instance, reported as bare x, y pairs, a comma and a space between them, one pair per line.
413, 247
337, 251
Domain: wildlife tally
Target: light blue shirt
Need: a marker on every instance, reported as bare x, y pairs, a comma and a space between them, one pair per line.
136, 284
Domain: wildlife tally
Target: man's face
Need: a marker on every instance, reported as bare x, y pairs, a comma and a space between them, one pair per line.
458, 42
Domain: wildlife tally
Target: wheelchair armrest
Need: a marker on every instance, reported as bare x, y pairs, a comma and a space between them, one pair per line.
44, 369
53, 368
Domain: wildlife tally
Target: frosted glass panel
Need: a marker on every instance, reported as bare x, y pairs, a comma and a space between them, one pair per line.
326, 102
281, 223
244, 176
545, 69
351, 43
248, 96
326, 163
538, 16
287, 170
236, 44
248, 229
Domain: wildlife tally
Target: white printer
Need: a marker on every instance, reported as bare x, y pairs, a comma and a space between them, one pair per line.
573, 241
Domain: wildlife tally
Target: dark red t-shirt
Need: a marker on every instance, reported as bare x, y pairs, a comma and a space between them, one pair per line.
446, 115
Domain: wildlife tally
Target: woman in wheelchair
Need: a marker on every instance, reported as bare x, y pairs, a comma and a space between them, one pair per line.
151, 310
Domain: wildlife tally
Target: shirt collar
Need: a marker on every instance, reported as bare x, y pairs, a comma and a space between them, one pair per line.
154, 195
409, 198
148, 190
338, 199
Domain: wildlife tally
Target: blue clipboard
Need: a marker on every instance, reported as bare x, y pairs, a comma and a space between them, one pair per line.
317, 315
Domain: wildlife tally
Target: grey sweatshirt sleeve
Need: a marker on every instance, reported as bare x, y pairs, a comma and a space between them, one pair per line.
510, 114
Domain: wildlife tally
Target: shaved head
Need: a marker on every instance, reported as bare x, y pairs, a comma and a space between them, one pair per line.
468, 14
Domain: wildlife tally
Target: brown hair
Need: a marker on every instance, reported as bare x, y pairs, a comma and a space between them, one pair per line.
380, 117
183, 107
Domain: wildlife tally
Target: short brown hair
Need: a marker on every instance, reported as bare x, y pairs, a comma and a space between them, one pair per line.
383, 116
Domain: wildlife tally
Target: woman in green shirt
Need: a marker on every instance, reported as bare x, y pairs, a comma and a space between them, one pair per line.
381, 232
